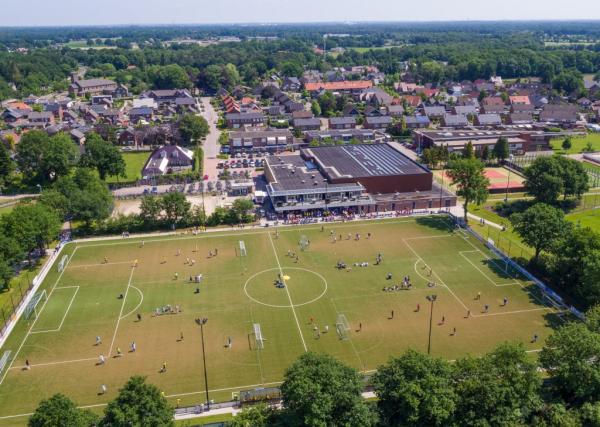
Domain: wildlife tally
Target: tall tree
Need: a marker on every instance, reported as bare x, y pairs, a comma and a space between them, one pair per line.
540, 226
83, 196
543, 179
575, 177
501, 149
193, 128
318, 390
59, 410
467, 175
175, 206
255, 416
415, 389
7, 165
570, 357
138, 404
33, 225
498, 389
102, 156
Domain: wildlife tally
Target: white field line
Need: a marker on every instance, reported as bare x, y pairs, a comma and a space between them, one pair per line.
39, 314
60, 362
485, 275
102, 264
137, 306
288, 292
112, 343
437, 236
520, 284
281, 228
222, 389
64, 316
349, 338
439, 278
503, 313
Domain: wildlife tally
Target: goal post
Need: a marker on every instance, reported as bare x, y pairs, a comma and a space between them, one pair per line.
62, 263
32, 308
258, 337
242, 246
4, 360
342, 326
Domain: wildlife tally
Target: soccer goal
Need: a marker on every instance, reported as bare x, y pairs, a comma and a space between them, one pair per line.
242, 248
258, 337
342, 326
31, 310
303, 242
4, 360
62, 263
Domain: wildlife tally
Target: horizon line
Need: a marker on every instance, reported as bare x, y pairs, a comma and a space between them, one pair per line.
282, 23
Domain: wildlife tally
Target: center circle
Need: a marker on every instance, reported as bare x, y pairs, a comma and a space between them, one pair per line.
302, 287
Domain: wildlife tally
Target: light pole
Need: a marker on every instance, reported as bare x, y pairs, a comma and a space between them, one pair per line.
430, 298
508, 179
202, 322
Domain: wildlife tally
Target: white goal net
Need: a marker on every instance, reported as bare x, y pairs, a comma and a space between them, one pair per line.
31, 310
342, 326
260, 341
303, 242
62, 263
243, 248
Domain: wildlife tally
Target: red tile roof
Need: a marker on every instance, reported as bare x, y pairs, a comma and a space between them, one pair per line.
519, 99
333, 86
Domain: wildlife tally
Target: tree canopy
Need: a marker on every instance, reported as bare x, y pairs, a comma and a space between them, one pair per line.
102, 156
467, 174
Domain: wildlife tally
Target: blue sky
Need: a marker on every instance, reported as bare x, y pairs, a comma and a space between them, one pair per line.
106, 12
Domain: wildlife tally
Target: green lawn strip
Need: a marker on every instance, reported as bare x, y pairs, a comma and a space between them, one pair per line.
134, 162
579, 143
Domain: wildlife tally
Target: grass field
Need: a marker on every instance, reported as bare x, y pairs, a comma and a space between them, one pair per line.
134, 162
238, 291
578, 143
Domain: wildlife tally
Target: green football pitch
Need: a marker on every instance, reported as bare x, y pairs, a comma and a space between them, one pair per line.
106, 284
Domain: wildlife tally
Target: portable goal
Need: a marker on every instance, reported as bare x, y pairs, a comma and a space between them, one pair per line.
258, 337
303, 242
31, 310
242, 248
62, 263
342, 326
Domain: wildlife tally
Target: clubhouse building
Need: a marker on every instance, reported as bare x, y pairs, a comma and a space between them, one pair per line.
360, 178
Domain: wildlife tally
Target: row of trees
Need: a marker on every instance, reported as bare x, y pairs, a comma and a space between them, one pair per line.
548, 178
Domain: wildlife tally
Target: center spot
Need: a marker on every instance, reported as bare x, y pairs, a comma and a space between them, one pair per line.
302, 286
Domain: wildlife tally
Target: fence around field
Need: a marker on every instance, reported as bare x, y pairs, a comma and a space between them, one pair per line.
519, 163
11, 313
549, 293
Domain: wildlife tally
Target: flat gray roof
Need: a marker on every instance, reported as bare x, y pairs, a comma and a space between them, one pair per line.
363, 160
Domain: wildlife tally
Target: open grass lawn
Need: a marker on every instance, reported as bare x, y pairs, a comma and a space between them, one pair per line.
591, 166
589, 218
579, 143
238, 291
134, 162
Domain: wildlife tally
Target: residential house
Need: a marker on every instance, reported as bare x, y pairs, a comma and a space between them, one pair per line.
395, 111
371, 111
42, 119
342, 122
166, 96
375, 122
307, 124
351, 110
291, 84
492, 109
417, 122
186, 105
238, 120
520, 118
560, 114
352, 87
464, 110
344, 135
522, 108
519, 99
454, 120
141, 113
488, 120
434, 112
77, 136
91, 86
302, 114
260, 140
168, 159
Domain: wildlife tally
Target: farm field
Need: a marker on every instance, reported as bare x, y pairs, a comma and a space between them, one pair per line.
341, 311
